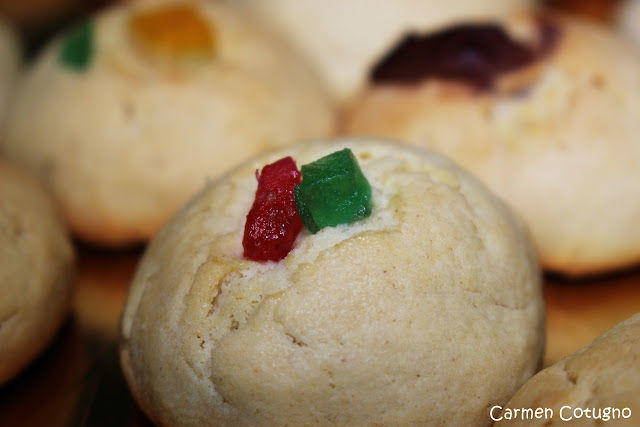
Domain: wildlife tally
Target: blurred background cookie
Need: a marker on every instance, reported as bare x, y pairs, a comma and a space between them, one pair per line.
36, 271
344, 38
126, 115
602, 378
544, 108
427, 311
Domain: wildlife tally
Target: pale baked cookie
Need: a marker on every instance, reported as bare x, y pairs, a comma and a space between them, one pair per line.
544, 109
344, 38
10, 59
36, 269
597, 385
426, 312
129, 113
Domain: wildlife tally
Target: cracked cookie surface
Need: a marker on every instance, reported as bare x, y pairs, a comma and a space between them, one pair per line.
433, 300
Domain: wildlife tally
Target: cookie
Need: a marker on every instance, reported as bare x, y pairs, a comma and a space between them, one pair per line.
542, 108
36, 270
343, 39
129, 113
424, 308
597, 384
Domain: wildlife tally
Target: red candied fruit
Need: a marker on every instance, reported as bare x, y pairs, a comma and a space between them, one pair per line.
273, 222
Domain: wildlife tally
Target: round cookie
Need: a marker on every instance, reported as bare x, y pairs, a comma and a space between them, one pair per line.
10, 58
544, 109
36, 271
128, 114
425, 313
343, 39
597, 385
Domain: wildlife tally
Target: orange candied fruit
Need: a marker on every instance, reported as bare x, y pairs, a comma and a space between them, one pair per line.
176, 32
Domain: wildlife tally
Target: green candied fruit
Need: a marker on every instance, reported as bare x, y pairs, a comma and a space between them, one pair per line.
333, 191
77, 48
